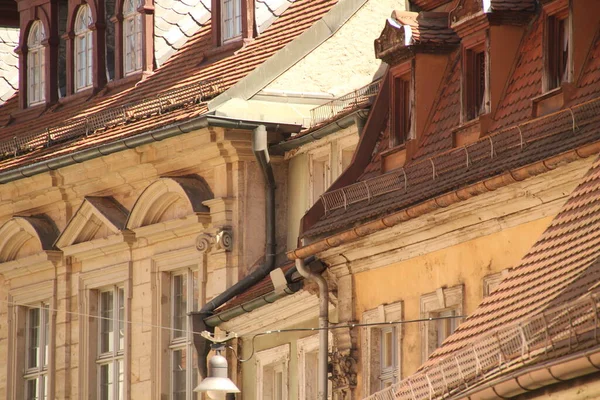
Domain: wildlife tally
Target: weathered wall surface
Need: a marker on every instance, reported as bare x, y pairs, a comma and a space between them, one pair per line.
462, 264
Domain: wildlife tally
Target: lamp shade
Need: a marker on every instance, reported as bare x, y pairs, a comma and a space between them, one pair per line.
217, 380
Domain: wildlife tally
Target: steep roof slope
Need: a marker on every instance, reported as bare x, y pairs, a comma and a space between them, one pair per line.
188, 72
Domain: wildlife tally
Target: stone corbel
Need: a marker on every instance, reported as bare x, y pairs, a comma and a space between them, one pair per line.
215, 241
343, 374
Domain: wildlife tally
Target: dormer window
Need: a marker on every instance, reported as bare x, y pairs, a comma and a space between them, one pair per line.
475, 83
231, 19
132, 37
35, 64
401, 106
558, 42
83, 49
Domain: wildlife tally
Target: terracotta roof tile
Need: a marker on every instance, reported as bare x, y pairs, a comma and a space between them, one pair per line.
562, 266
525, 82
187, 66
427, 27
260, 289
438, 133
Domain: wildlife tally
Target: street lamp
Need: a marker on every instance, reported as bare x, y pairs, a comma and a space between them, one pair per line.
217, 384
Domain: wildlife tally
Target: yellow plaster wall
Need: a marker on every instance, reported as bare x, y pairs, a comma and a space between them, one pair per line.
465, 263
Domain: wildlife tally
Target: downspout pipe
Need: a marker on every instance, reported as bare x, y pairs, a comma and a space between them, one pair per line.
306, 272
260, 149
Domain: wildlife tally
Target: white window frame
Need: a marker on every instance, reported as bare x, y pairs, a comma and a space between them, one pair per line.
373, 377
492, 281
277, 358
434, 304
184, 342
304, 347
132, 37
20, 301
36, 57
38, 373
321, 155
84, 54
91, 283
231, 25
114, 357
348, 143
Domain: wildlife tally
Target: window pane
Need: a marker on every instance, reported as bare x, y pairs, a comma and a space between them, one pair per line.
106, 322
121, 318
46, 319
34, 338
32, 389
106, 382
278, 385
179, 305
310, 374
387, 351
121, 376
179, 369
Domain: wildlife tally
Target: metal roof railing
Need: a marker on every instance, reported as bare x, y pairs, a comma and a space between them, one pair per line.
555, 329
516, 137
347, 102
110, 117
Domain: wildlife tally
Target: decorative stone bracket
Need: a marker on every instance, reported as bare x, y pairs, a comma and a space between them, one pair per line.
217, 240
343, 374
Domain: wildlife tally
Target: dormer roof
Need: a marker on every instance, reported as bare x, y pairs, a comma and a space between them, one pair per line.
406, 31
506, 11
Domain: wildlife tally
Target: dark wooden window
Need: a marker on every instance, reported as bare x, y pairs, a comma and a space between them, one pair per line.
401, 110
475, 83
557, 45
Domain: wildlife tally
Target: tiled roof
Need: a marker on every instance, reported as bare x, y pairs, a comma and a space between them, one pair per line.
186, 67
513, 5
176, 21
438, 133
525, 83
9, 63
435, 151
263, 287
561, 266
427, 27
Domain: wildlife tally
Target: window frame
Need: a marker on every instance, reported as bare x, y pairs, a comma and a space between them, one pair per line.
114, 357
433, 304
374, 376
305, 346
36, 51
559, 12
475, 49
402, 95
85, 33
236, 15
184, 342
320, 155
133, 15
39, 373
276, 358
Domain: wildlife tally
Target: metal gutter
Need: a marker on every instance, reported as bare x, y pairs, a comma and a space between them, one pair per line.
537, 376
443, 201
155, 135
252, 305
357, 117
293, 52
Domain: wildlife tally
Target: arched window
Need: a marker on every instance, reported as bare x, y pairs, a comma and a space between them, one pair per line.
83, 48
132, 36
35, 64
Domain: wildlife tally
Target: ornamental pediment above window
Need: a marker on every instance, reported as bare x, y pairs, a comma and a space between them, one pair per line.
97, 218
